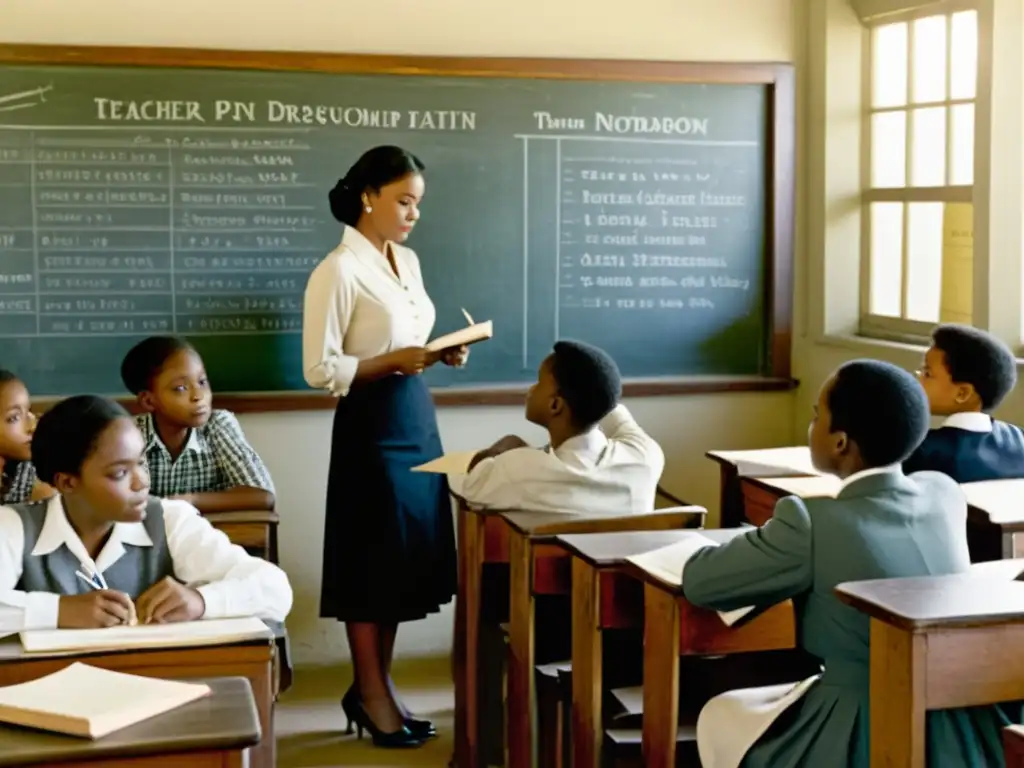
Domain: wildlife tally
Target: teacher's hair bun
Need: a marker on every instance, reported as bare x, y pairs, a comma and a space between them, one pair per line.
340, 199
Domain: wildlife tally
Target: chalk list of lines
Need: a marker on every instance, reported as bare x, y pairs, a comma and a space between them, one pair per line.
642, 233
129, 234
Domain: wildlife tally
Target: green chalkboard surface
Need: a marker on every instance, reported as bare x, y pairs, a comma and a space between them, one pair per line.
638, 209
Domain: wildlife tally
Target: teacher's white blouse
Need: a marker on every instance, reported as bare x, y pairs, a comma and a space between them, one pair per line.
357, 308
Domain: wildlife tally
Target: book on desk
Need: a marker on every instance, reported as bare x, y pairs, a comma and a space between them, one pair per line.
183, 634
666, 565
90, 702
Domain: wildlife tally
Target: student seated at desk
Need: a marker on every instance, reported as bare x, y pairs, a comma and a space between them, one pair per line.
599, 460
883, 524
104, 550
18, 480
195, 453
966, 374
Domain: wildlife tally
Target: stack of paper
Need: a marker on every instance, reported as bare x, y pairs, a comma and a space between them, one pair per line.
666, 564
81, 700
189, 633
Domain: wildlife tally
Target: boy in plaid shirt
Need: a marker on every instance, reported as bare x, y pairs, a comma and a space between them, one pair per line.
18, 481
194, 452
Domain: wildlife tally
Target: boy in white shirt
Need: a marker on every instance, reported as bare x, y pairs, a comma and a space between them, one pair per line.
598, 460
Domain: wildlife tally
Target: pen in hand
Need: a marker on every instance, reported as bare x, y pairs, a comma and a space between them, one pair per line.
97, 582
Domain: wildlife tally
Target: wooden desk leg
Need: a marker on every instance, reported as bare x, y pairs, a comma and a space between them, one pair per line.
661, 677
466, 643
898, 684
587, 726
519, 708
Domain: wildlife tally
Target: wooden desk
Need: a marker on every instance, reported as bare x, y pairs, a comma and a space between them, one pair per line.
214, 732
793, 461
604, 597
760, 494
492, 537
255, 531
538, 566
674, 628
1013, 746
937, 643
252, 660
995, 509
995, 517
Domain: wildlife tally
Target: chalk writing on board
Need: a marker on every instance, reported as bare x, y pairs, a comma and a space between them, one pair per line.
192, 236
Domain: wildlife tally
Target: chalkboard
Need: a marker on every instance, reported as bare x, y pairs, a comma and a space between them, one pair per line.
644, 208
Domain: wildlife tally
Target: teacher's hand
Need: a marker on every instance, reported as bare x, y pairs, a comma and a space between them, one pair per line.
412, 360
456, 357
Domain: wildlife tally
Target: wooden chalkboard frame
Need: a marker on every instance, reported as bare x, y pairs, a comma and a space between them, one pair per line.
777, 78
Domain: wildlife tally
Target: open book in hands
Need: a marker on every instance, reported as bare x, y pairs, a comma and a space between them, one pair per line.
666, 564
462, 337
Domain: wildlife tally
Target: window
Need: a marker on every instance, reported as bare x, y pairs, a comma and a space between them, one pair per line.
918, 180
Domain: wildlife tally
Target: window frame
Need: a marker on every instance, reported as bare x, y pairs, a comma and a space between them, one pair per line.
902, 329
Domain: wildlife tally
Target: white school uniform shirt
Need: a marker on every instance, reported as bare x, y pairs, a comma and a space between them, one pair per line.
232, 582
612, 469
969, 422
732, 722
356, 308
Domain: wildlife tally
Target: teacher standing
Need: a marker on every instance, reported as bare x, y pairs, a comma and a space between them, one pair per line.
389, 542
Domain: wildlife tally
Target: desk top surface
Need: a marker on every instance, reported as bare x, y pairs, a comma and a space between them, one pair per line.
553, 523
608, 550
999, 502
789, 461
225, 720
986, 594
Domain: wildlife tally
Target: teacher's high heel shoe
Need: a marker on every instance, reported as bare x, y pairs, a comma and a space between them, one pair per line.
423, 729
403, 738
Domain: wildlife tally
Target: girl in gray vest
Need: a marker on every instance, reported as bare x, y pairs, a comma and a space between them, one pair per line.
104, 551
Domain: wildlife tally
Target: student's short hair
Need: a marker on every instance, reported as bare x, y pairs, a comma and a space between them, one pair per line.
67, 433
881, 407
588, 380
144, 361
6, 376
977, 358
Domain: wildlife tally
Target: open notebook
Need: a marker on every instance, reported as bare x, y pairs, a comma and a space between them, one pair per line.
666, 564
204, 632
462, 337
81, 700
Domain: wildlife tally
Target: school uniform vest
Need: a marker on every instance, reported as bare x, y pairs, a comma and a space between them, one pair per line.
135, 571
970, 457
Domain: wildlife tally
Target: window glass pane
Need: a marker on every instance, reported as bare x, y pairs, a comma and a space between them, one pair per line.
929, 64
889, 65
924, 261
928, 147
886, 259
961, 168
964, 55
957, 264
889, 149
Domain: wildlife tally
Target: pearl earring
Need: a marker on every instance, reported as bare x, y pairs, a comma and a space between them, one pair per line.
369, 209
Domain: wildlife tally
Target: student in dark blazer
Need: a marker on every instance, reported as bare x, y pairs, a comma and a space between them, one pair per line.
966, 374
883, 524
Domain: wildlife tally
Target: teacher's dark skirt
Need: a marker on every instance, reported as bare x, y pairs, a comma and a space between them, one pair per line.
389, 539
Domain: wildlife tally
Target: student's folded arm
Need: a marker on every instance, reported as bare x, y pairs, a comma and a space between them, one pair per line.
760, 568
20, 610
326, 313
251, 487
620, 426
232, 582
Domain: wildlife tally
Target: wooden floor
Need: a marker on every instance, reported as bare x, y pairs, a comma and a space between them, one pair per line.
310, 724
